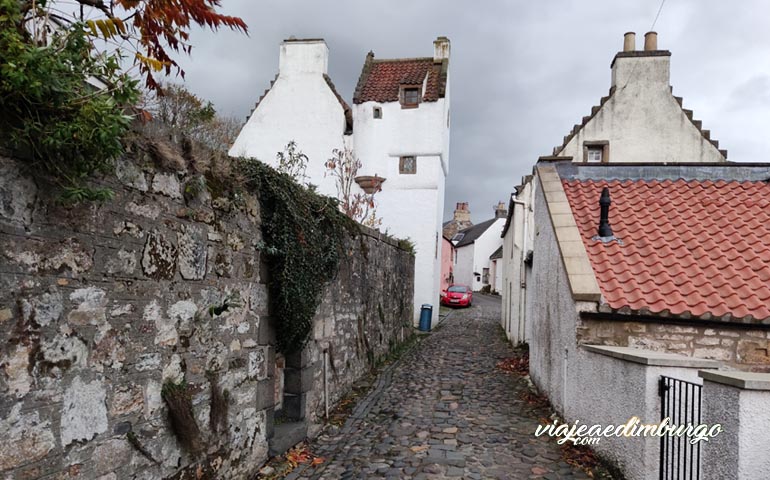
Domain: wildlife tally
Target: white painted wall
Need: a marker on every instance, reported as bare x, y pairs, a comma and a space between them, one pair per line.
642, 121
300, 106
410, 205
517, 243
464, 267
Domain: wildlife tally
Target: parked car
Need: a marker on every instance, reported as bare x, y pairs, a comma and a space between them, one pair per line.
457, 296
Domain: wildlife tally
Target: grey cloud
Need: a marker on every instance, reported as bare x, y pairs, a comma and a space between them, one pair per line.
522, 72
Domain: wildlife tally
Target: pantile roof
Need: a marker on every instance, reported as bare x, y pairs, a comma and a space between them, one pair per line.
381, 80
696, 248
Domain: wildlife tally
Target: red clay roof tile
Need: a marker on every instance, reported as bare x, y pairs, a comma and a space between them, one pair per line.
381, 80
699, 248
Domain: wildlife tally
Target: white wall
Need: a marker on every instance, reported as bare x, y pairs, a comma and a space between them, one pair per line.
518, 242
464, 267
410, 205
485, 245
642, 121
300, 106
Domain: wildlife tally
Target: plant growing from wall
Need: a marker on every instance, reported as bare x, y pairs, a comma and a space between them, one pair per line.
53, 115
360, 206
293, 162
303, 244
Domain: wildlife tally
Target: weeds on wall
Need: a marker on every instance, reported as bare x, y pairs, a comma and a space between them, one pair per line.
303, 244
52, 114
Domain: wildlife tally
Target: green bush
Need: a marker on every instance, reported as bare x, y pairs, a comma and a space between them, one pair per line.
53, 115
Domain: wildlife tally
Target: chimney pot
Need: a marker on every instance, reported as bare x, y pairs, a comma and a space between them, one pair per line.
650, 41
629, 42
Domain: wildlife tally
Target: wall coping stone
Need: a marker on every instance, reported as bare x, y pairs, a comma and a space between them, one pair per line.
742, 380
652, 358
580, 273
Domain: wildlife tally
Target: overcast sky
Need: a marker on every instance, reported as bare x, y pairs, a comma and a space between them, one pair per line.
522, 73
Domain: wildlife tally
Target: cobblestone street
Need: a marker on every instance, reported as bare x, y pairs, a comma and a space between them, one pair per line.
444, 411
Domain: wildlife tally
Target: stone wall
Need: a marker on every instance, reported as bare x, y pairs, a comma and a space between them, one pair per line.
743, 348
103, 304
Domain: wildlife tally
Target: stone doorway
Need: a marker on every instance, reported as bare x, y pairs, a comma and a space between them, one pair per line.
293, 380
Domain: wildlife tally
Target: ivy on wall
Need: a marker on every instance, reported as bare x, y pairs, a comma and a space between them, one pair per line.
303, 243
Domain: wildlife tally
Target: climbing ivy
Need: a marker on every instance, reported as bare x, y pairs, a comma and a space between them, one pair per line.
303, 244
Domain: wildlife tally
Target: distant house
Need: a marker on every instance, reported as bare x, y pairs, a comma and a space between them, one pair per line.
474, 247
461, 219
639, 121
496, 270
398, 127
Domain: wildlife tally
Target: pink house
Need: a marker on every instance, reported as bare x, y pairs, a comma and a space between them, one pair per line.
448, 260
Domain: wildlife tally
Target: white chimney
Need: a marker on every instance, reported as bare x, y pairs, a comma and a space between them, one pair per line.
441, 48
304, 56
649, 66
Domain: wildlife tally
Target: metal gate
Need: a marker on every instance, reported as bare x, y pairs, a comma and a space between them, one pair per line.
680, 402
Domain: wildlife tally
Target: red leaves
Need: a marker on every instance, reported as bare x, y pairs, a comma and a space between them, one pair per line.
163, 24
515, 365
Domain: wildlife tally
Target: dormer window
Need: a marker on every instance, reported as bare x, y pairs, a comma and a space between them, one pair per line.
596, 151
377, 112
410, 96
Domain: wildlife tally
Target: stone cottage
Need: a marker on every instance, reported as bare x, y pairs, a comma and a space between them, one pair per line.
398, 127
640, 120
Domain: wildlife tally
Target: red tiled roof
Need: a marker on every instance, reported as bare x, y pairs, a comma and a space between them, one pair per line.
381, 80
696, 248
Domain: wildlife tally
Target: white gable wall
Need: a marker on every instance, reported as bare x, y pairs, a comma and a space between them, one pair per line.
642, 120
485, 246
300, 106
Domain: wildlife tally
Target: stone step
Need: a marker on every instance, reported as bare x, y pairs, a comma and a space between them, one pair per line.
285, 436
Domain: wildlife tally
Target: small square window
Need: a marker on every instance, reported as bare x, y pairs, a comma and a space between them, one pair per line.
407, 165
410, 97
596, 151
377, 112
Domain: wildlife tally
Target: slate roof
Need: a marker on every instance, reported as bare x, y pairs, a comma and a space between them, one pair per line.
497, 254
695, 249
474, 232
380, 80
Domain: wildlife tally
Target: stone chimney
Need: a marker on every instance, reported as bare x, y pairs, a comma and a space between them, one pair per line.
441, 48
501, 211
649, 66
462, 213
303, 56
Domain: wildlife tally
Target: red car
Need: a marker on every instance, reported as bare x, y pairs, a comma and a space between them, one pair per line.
457, 296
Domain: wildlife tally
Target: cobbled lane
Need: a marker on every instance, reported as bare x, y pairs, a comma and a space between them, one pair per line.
444, 411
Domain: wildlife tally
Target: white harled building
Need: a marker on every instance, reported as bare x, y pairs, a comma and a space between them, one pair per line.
398, 128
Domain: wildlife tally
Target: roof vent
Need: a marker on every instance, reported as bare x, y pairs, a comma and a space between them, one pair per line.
605, 231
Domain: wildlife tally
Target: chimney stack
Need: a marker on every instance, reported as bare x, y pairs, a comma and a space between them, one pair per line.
303, 56
629, 42
500, 210
650, 41
441, 49
462, 212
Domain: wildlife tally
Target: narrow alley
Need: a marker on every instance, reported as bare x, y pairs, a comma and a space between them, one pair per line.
444, 411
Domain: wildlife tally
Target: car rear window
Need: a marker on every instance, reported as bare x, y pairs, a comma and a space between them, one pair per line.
457, 289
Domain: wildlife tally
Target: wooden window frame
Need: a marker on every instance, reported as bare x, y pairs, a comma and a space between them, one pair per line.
402, 96
402, 160
591, 144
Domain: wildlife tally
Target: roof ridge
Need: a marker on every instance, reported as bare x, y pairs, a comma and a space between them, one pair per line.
577, 128
404, 59
261, 97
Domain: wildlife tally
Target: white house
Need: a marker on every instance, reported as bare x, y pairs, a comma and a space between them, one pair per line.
398, 128
474, 246
639, 121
